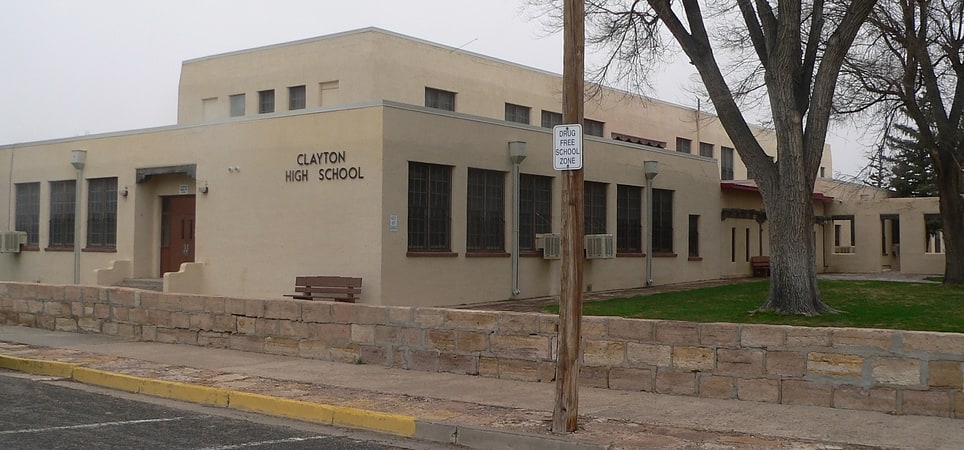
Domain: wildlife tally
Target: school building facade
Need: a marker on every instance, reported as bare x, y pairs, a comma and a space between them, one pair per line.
376, 155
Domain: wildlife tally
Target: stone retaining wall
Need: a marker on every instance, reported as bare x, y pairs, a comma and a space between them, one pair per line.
901, 372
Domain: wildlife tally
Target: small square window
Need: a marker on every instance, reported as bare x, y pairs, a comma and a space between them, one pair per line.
683, 145
551, 119
706, 149
237, 105
296, 97
266, 101
592, 127
517, 113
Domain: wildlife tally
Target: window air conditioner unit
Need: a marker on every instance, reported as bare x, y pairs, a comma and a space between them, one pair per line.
10, 241
600, 246
551, 245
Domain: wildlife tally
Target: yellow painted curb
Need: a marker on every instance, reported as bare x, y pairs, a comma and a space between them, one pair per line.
282, 407
374, 420
52, 368
107, 379
187, 392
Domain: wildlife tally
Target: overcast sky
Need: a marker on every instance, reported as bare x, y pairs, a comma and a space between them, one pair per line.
72, 68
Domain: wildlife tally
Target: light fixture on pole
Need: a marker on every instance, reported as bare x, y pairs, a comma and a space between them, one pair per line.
650, 169
517, 154
78, 158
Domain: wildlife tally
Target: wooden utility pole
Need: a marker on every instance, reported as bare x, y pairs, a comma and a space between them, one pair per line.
566, 412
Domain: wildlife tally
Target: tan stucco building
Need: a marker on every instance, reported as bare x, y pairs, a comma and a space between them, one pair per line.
375, 155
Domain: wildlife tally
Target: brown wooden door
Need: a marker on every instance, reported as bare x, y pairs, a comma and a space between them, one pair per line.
177, 232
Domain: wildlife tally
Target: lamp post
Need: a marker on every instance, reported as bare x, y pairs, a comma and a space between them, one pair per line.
77, 159
650, 169
517, 154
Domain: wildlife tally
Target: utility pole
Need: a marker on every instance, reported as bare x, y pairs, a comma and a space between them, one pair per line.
566, 412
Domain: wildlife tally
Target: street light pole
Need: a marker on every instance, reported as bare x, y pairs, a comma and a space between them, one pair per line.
650, 169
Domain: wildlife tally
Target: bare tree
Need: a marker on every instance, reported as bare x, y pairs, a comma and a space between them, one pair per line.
910, 62
794, 51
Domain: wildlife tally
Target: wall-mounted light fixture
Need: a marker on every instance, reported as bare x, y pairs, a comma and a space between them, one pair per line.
123, 192
203, 188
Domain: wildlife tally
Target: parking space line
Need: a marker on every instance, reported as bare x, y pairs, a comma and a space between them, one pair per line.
260, 443
90, 425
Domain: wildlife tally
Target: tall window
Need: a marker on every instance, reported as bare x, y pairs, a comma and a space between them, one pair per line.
429, 207
485, 211
62, 198
706, 149
683, 145
726, 163
934, 233
694, 236
594, 199
592, 127
517, 113
551, 119
629, 220
102, 213
237, 105
662, 221
28, 212
437, 98
296, 97
535, 209
266, 101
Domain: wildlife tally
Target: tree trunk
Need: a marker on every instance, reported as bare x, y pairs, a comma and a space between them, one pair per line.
952, 215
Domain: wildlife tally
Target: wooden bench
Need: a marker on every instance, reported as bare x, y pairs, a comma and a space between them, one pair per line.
339, 289
760, 265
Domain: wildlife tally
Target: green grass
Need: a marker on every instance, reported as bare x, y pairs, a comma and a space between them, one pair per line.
939, 279
865, 304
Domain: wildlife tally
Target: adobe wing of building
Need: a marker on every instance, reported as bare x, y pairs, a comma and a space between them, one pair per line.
378, 156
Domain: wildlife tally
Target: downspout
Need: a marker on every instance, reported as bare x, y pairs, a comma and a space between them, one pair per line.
77, 159
517, 154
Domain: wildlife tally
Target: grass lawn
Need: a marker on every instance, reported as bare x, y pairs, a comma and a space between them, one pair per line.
866, 304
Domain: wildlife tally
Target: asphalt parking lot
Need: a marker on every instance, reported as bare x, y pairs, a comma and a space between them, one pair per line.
43, 413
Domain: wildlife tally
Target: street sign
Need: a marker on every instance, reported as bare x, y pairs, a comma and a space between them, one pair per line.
567, 147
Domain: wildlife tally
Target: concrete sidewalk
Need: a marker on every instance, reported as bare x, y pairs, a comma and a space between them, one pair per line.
474, 412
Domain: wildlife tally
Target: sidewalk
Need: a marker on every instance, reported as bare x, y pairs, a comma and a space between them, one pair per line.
471, 411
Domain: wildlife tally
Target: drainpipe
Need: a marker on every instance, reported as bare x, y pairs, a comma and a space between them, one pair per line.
77, 159
517, 154
650, 169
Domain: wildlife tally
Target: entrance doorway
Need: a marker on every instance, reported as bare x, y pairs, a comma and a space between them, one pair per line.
177, 232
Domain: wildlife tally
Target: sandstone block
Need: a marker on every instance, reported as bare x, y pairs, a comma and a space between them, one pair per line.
758, 390
926, 403
872, 399
373, 354
318, 312
410, 337
293, 329
675, 383
902, 372
234, 306
368, 314
741, 362
462, 319
714, 386
429, 317
266, 327
945, 374
518, 324
694, 358
597, 377
632, 329
835, 364
363, 334
385, 334
441, 340
471, 341
424, 360
519, 347
192, 303
102, 311
488, 367
120, 296
786, 364
313, 348
254, 307
459, 364
680, 333
213, 305
518, 369
212, 339
649, 354
89, 324
857, 337
804, 337
628, 379
283, 309
798, 392
348, 354
594, 327
720, 334
603, 353
332, 333
763, 336
403, 315
180, 319
934, 343
245, 325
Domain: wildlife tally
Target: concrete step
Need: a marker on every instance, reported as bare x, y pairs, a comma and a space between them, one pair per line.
149, 284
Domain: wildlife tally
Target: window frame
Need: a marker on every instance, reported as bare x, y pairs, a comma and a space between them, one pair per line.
550, 119
706, 149
297, 97
594, 207
693, 236
535, 209
662, 211
63, 196
629, 219
593, 127
266, 101
726, 163
439, 99
433, 183
236, 104
102, 213
27, 212
485, 211
684, 145
517, 113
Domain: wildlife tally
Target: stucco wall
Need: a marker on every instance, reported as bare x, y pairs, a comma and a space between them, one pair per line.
890, 371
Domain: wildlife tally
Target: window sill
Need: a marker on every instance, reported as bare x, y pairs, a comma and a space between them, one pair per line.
428, 254
30, 248
630, 254
530, 253
475, 254
59, 249
100, 250
664, 255
695, 258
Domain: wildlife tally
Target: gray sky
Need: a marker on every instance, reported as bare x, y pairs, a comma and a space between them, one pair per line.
74, 67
